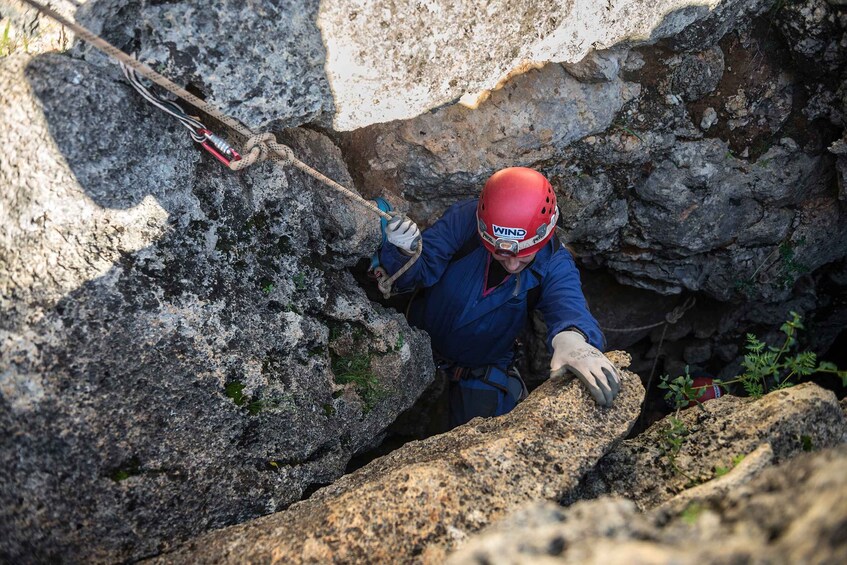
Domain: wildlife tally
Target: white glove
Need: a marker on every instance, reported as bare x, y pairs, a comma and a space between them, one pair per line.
572, 353
403, 233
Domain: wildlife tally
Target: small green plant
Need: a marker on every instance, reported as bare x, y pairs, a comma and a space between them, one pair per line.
400, 341
129, 469
769, 367
357, 370
673, 436
255, 407
720, 471
691, 513
7, 45
787, 268
235, 391
806, 443
268, 288
681, 390
300, 281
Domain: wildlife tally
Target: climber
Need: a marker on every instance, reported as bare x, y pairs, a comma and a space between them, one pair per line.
485, 264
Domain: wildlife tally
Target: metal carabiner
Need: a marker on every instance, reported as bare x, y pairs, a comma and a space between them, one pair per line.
220, 149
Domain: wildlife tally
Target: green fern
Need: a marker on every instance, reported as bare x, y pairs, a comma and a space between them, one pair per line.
769, 367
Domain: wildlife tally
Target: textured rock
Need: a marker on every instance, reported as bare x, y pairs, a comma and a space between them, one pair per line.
768, 520
382, 61
260, 64
790, 420
426, 497
173, 337
697, 74
449, 152
738, 216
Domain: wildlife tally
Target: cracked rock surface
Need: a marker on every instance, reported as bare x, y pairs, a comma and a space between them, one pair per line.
176, 340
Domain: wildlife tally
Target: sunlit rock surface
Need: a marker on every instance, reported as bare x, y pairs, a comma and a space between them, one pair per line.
174, 337
428, 496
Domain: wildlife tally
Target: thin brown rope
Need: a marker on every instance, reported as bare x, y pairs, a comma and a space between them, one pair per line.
259, 147
671, 317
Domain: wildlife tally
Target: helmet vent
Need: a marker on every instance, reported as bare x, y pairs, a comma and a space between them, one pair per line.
544, 210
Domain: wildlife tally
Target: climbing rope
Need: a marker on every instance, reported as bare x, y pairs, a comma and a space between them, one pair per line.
258, 147
671, 317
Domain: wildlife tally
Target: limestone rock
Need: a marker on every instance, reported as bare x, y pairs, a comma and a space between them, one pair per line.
428, 496
698, 74
448, 153
597, 66
792, 420
791, 514
176, 340
360, 63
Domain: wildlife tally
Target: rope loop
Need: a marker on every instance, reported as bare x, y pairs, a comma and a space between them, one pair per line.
677, 313
260, 147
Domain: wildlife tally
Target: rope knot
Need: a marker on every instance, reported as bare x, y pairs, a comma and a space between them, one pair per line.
677, 313
261, 147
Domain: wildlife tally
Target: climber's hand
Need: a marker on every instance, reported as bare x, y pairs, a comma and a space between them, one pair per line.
403, 233
572, 353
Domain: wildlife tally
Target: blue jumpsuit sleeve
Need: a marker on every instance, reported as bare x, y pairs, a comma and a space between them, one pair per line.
563, 304
440, 243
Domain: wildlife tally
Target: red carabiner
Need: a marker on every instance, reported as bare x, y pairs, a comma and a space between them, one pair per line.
220, 149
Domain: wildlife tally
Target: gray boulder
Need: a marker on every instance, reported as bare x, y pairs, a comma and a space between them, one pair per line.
182, 347
792, 421
428, 496
794, 513
358, 64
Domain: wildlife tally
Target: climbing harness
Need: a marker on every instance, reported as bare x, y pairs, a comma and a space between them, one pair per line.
257, 147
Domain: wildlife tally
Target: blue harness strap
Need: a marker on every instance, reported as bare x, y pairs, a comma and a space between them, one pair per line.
484, 391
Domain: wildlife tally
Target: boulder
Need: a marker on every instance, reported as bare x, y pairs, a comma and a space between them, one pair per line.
353, 64
181, 347
794, 513
792, 421
426, 497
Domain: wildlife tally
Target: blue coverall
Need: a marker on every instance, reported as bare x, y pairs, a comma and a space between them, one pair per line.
474, 329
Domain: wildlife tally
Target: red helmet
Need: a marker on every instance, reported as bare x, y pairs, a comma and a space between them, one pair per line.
516, 214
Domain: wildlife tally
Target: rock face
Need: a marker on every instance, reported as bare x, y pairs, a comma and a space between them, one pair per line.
180, 347
708, 165
769, 520
426, 497
644, 193
360, 63
792, 421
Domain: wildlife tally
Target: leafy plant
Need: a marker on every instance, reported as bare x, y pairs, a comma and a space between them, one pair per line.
681, 390
357, 370
235, 391
300, 281
268, 288
673, 436
766, 367
770, 367
783, 257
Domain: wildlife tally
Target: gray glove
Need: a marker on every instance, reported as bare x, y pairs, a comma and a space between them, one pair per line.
572, 353
402, 232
